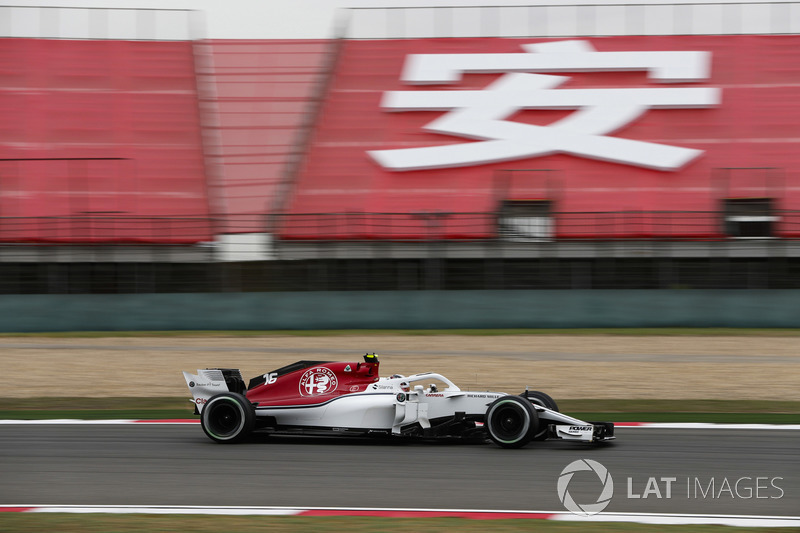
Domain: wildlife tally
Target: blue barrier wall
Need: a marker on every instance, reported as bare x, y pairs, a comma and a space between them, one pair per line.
401, 310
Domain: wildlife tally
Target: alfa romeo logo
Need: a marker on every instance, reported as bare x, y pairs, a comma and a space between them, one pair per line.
585, 509
319, 380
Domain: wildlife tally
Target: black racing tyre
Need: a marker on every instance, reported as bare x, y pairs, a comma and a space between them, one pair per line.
511, 421
228, 417
540, 398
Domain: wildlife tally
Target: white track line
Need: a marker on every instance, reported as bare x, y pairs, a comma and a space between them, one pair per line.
702, 425
641, 518
75, 421
688, 519
152, 509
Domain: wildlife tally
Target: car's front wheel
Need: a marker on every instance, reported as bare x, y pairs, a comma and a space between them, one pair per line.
511, 421
227, 417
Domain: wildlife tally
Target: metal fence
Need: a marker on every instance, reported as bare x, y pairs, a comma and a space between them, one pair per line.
758, 221
550, 271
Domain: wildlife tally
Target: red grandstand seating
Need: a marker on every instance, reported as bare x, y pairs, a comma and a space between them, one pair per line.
100, 142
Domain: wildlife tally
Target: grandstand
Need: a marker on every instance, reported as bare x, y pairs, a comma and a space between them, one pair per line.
157, 160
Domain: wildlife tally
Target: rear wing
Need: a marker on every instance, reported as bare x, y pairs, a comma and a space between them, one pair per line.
211, 381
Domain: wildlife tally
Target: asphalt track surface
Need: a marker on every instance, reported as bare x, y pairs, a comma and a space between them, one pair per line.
179, 465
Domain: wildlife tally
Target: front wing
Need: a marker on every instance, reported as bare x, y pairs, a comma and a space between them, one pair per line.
565, 427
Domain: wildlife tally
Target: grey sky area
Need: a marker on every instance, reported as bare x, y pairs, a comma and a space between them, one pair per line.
315, 19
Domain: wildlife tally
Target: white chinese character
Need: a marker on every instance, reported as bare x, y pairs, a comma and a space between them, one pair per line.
482, 114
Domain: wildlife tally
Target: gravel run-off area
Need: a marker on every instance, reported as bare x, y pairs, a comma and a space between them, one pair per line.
565, 366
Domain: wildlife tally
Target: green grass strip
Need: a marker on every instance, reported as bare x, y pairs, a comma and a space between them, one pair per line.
680, 406
709, 418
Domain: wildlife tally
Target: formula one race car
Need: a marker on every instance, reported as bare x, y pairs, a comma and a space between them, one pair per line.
324, 398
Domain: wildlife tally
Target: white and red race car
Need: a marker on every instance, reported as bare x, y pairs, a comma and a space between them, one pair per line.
349, 398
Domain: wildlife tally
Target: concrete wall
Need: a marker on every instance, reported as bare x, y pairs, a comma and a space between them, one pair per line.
401, 310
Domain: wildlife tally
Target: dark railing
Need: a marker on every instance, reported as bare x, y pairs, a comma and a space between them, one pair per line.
615, 225
106, 229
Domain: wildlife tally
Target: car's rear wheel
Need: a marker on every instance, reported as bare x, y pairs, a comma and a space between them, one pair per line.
540, 398
511, 421
227, 417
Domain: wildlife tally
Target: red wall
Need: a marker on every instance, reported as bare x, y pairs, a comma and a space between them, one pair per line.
756, 125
